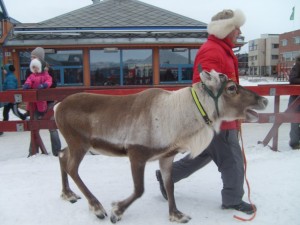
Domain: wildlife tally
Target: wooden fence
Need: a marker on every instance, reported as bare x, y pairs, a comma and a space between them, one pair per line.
34, 126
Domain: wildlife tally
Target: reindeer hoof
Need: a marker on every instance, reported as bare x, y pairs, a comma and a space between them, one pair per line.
179, 217
70, 196
114, 218
98, 210
101, 215
116, 214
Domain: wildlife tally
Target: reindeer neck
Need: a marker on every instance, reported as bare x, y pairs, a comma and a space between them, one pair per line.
208, 104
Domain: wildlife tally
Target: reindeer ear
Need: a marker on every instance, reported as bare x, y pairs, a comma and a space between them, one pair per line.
223, 77
205, 76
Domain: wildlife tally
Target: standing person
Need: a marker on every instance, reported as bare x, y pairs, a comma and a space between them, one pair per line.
10, 83
38, 79
224, 149
54, 136
39, 54
294, 78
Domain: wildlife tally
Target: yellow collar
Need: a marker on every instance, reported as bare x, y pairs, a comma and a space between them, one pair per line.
200, 107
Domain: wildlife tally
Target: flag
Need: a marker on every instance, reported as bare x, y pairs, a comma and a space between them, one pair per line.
293, 14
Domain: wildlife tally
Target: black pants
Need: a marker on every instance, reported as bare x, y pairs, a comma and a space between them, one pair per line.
14, 108
226, 152
295, 129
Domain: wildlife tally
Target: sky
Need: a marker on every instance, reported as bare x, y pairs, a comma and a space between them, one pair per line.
263, 17
30, 187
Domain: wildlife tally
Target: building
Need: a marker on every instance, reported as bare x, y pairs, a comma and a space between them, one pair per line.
289, 49
274, 54
263, 55
111, 42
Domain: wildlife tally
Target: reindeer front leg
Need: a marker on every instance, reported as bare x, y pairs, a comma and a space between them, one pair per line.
165, 165
138, 162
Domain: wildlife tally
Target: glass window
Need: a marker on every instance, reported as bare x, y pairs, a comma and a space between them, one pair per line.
284, 42
105, 67
297, 40
137, 67
288, 56
25, 58
65, 66
176, 65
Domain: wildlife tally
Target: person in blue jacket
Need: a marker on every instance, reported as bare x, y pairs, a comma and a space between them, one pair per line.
10, 83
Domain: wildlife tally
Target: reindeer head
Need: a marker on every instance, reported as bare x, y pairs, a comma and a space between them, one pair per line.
232, 101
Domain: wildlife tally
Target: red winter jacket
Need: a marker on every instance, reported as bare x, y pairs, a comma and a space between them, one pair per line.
34, 80
217, 54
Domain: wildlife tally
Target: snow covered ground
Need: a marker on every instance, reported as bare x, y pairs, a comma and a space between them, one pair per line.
30, 187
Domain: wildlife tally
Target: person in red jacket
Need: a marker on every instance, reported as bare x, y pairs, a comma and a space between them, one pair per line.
38, 79
216, 53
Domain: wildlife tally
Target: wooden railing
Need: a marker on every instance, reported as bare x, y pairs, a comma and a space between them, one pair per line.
58, 94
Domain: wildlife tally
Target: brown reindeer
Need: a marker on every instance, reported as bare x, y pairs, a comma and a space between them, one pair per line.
151, 125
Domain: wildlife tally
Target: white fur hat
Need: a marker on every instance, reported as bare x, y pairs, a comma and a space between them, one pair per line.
225, 21
37, 63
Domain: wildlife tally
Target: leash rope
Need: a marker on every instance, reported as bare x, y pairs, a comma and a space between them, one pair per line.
247, 182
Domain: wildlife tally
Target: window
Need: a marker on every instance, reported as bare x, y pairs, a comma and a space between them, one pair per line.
275, 45
284, 42
66, 66
105, 67
297, 40
176, 65
137, 66
274, 57
253, 58
295, 54
287, 56
25, 58
121, 67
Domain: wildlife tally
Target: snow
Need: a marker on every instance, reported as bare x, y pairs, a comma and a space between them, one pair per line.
30, 187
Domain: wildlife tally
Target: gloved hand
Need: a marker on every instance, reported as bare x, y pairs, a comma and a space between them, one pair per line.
43, 86
26, 86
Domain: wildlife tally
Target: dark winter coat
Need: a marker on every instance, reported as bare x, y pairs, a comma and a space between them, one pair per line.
294, 78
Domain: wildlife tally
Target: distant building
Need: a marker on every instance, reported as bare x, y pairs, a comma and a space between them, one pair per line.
243, 63
263, 55
274, 54
289, 49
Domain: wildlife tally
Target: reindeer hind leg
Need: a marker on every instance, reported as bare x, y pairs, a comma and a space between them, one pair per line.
67, 193
165, 165
71, 160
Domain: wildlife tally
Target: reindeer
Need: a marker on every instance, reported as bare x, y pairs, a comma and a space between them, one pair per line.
154, 124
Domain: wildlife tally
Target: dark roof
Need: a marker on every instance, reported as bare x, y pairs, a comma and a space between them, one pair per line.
111, 19
120, 13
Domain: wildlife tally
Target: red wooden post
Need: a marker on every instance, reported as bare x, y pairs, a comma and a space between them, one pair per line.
36, 142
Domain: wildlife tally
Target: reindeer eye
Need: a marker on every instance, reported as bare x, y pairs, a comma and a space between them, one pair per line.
232, 89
